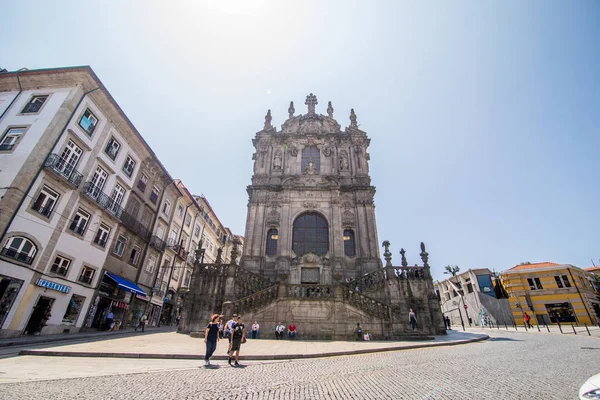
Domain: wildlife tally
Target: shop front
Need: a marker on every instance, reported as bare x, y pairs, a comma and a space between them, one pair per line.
9, 288
113, 303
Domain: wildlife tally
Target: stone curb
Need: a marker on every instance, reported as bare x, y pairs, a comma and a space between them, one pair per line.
245, 357
16, 342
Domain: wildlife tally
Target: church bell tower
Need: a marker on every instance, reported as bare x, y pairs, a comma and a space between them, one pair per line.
311, 217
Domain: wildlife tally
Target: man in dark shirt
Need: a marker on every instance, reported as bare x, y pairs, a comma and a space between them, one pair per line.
211, 337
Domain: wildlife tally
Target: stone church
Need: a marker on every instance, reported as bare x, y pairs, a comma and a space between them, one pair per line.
311, 215
311, 251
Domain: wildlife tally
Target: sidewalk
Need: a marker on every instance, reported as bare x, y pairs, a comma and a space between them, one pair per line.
171, 345
567, 329
27, 340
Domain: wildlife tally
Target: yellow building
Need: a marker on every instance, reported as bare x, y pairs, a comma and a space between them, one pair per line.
550, 293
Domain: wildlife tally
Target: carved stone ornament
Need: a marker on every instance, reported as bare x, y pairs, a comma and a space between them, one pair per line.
293, 151
268, 120
273, 217
309, 204
291, 110
310, 169
347, 204
347, 218
327, 151
277, 161
343, 160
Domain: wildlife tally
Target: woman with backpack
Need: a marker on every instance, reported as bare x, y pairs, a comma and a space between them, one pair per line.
238, 336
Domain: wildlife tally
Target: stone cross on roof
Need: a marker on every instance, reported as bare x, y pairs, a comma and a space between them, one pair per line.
311, 102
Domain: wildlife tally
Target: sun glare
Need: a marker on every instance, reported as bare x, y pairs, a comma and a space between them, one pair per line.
236, 6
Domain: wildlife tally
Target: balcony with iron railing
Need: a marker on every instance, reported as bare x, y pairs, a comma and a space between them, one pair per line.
103, 200
181, 252
135, 225
63, 170
158, 243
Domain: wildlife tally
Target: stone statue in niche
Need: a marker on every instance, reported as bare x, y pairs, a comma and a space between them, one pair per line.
277, 161
343, 161
327, 151
310, 168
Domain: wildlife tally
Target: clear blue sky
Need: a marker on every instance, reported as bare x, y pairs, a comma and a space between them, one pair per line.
483, 117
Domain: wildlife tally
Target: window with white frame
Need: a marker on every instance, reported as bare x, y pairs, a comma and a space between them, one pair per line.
60, 265
112, 148
117, 198
176, 269
102, 234
135, 255
69, 158
142, 183
197, 230
97, 183
87, 275
160, 232
188, 220
188, 278
151, 264
45, 202
35, 104
167, 207
154, 194
88, 122
129, 166
180, 211
80, 222
20, 249
173, 236
120, 245
11, 138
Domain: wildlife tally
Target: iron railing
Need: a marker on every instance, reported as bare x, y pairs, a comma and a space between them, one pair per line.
17, 255
158, 243
104, 201
63, 169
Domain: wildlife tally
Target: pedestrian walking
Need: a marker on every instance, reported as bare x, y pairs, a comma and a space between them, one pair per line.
527, 319
110, 321
358, 332
228, 329
220, 327
448, 326
412, 318
211, 337
142, 322
255, 330
238, 337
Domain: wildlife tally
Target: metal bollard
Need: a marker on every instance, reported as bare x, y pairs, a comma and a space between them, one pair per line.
525, 325
547, 327
559, 327
573, 329
506, 326
538, 327
515, 324
588, 331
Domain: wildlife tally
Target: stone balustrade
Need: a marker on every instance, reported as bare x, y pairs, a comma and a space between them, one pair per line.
367, 304
311, 292
247, 282
257, 300
376, 279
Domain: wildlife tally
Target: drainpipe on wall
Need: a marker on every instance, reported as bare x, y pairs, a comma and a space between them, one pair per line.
18, 94
10, 221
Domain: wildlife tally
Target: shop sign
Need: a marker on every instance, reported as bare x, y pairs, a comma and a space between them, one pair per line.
145, 298
53, 286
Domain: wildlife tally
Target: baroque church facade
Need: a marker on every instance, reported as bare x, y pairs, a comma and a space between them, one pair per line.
311, 251
311, 216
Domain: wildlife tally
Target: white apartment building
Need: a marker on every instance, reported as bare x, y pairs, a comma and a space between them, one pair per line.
69, 160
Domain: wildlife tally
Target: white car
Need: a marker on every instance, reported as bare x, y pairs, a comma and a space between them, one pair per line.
590, 389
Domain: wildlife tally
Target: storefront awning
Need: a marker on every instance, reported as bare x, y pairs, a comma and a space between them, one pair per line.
124, 284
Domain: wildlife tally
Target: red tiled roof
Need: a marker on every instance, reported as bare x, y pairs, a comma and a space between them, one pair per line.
594, 268
534, 266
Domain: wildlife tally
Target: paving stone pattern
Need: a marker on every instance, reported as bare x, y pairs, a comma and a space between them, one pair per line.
509, 365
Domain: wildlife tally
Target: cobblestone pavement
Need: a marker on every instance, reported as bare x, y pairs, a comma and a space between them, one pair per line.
509, 366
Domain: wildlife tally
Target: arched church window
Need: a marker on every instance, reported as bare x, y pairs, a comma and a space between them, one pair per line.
349, 248
311, 159
272, 238
310, 234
